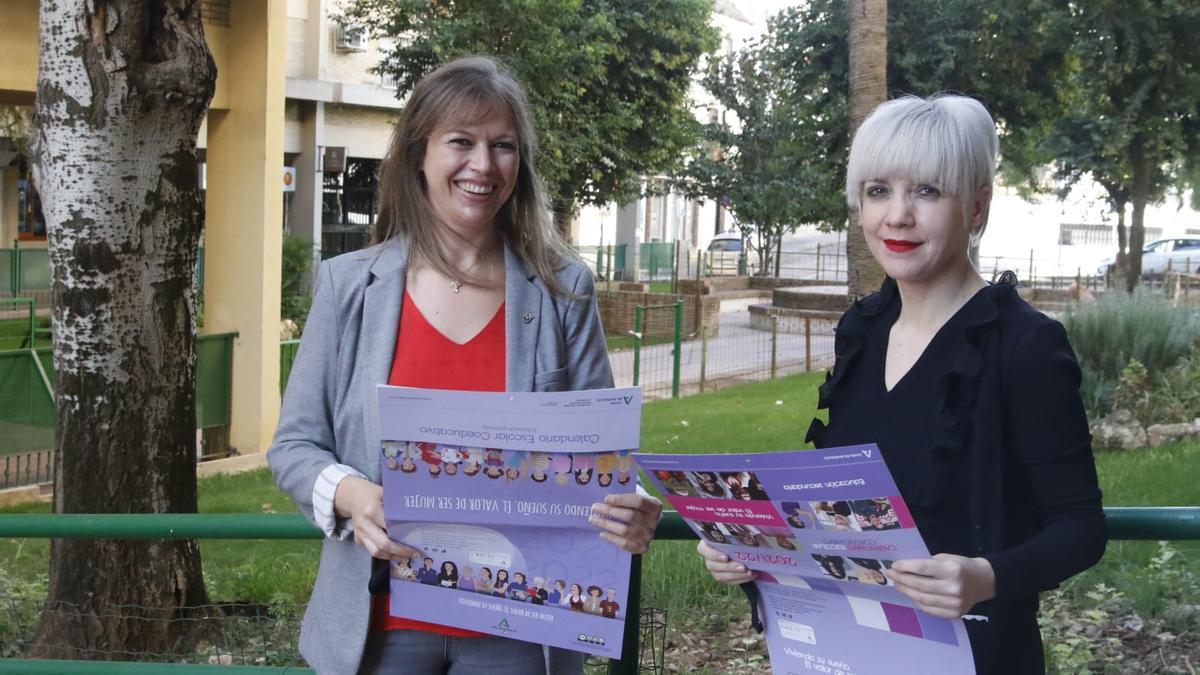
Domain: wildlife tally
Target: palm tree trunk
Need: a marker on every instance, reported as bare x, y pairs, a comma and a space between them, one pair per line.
1139, 198
868, 88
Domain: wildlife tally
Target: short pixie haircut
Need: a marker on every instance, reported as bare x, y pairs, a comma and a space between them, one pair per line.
947, 140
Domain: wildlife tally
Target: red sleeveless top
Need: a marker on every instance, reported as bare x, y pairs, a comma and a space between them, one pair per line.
426, 358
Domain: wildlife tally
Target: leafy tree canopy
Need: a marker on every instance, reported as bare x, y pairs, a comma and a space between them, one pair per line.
1007, 56
1129, 95
759, 156
608, 79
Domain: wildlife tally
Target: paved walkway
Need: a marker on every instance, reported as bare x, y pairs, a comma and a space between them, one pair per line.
738, 354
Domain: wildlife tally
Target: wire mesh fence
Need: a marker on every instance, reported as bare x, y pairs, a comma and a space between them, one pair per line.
746, 348
244, 634
27, 468
607, 262
224, 634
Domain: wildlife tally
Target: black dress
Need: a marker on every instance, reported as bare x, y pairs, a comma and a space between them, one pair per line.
988, 442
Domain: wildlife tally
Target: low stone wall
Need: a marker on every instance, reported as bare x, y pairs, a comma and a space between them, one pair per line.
730, 285
44, 492
824, 302
771, 283
791, 320
1035, 295
634, 286
617, 310
718, 284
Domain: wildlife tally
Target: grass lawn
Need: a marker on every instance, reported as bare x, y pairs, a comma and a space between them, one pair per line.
273, 570
764, 416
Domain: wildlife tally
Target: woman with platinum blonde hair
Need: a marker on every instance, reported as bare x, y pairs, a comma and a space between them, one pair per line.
971, 394
469, 287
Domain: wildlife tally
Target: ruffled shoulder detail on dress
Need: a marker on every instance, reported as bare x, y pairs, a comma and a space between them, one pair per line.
957, 390
849, 337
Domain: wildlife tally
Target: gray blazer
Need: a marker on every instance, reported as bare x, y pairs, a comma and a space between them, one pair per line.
329, 410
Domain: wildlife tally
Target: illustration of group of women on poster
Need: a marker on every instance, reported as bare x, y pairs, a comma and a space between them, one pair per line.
591, 599
494, 463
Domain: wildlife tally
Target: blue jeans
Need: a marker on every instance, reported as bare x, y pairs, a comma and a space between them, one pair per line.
416, 652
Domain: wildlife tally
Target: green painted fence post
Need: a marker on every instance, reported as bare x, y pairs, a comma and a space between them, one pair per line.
631, 645
16, 286
637, 343
678, 347
675, 267
774, 343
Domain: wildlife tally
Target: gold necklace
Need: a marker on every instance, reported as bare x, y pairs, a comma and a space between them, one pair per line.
457, 285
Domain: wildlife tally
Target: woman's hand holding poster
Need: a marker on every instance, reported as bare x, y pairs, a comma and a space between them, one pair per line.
495, 491
819, 529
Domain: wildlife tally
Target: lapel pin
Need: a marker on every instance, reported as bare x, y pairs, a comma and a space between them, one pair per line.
527, 317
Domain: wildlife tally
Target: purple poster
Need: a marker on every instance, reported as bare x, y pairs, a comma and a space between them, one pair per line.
495, 491
819, 528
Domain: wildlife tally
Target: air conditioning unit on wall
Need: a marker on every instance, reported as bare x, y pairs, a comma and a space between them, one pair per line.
352, 37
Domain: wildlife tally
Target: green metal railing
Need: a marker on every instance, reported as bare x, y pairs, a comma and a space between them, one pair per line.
27, 395
606, 261
287, 355
657, 260
24, 269
1124, 523
29, 340
59, 667
640, 331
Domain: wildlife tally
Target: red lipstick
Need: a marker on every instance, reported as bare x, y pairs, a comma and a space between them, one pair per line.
900, 245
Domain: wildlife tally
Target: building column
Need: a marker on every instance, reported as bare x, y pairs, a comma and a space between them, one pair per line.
629, 219
315, 32
8, 207
244, 217
306, 201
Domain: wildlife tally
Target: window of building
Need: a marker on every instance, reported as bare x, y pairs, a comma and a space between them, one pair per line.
215, 12
349, 206
1086, 234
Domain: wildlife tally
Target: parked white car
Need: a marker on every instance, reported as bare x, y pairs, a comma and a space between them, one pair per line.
1181, 253
724, 252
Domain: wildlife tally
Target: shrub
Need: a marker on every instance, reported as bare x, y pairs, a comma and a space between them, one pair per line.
1134, 392
1172, 395
294, 296
1118, 328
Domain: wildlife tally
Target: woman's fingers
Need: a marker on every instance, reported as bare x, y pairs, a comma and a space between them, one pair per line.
627, 521
362, 501
721, 567
707, 552
945, 585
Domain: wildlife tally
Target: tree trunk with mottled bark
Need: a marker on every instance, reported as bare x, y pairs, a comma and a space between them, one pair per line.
1139, 196
122, 89
868, 88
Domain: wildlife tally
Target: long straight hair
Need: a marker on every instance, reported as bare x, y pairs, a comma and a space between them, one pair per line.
464, 91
